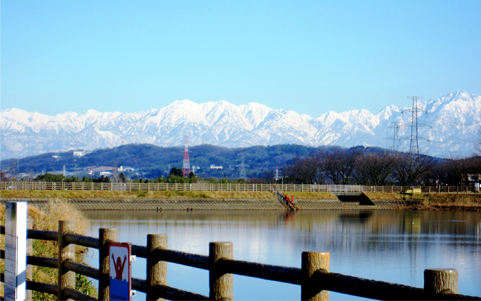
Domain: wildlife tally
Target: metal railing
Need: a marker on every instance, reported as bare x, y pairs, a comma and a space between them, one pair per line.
90, 186
314, 276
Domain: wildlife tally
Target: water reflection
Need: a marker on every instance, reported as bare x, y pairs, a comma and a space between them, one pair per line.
386, 245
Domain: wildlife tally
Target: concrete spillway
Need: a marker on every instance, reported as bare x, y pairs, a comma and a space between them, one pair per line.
354, 197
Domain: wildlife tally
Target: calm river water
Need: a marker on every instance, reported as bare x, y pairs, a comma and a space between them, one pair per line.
394, 246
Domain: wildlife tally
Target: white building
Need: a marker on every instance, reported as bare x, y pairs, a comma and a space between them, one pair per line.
79, 153
126, 169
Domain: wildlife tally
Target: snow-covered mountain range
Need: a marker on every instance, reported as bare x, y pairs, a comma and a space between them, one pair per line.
449, 125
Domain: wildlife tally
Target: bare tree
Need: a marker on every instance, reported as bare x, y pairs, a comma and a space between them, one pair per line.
3, 177
435, 175
304, 170
409, 168
339, 163
457, 171
453, 172
375, 169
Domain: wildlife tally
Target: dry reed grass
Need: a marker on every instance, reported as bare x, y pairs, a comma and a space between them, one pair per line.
452, 198
383, 196
46, 218
36, 194
311, 195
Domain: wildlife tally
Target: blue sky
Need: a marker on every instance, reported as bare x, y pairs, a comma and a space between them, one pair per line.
306, 56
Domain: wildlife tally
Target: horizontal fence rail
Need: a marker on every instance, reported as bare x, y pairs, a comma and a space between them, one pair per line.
84, 186
314, 276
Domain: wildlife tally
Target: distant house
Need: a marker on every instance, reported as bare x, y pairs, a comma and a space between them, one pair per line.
105, 173
216, 167
126, 169
79, 153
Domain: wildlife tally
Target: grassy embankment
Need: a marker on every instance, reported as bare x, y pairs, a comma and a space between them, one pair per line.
434, 201
47, 219
451, 201
441, 201
40, 194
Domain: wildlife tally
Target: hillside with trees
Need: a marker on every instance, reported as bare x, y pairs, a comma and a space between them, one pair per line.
150, 161
297, 164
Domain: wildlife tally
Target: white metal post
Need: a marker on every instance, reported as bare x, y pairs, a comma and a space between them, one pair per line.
15, 250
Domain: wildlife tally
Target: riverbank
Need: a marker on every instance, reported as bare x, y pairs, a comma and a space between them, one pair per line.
212, 204
159, 195
222, 200
445, 202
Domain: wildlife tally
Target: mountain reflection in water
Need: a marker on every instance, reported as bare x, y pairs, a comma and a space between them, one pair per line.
394, 246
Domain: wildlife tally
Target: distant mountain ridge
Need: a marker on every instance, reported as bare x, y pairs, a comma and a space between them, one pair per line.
451, 125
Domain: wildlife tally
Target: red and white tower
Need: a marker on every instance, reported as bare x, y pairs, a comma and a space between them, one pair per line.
186, 164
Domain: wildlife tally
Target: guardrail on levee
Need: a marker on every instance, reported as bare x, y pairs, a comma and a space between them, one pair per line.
24, 185
314, 276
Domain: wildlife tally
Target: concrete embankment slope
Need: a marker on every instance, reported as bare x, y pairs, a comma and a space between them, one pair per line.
178, 200
206, 204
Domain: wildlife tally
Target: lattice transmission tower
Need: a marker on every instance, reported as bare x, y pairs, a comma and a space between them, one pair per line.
414, 146
186, 164
396, 137
242, 168
415, 125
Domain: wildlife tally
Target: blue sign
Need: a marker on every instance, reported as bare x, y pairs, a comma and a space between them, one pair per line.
120, 271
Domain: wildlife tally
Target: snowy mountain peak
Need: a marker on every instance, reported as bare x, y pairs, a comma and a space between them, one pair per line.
452, 120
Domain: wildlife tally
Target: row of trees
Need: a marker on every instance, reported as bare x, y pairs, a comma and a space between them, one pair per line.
175, 176
355, 166
48, 177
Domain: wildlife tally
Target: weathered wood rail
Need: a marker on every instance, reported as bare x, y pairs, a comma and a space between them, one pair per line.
314, 276
84, 186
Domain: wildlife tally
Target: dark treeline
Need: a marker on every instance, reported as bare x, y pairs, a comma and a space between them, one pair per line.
175, 176
356, 166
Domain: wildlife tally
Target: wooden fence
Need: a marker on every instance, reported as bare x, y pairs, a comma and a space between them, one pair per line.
90, 186
313, 276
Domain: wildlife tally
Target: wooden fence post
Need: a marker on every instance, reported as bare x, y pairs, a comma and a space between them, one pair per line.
66, 279
29, 275
156, 270
105, 236
440, 280
311, 263
221, 284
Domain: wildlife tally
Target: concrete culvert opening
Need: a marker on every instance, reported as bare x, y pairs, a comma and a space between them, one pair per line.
360, 199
